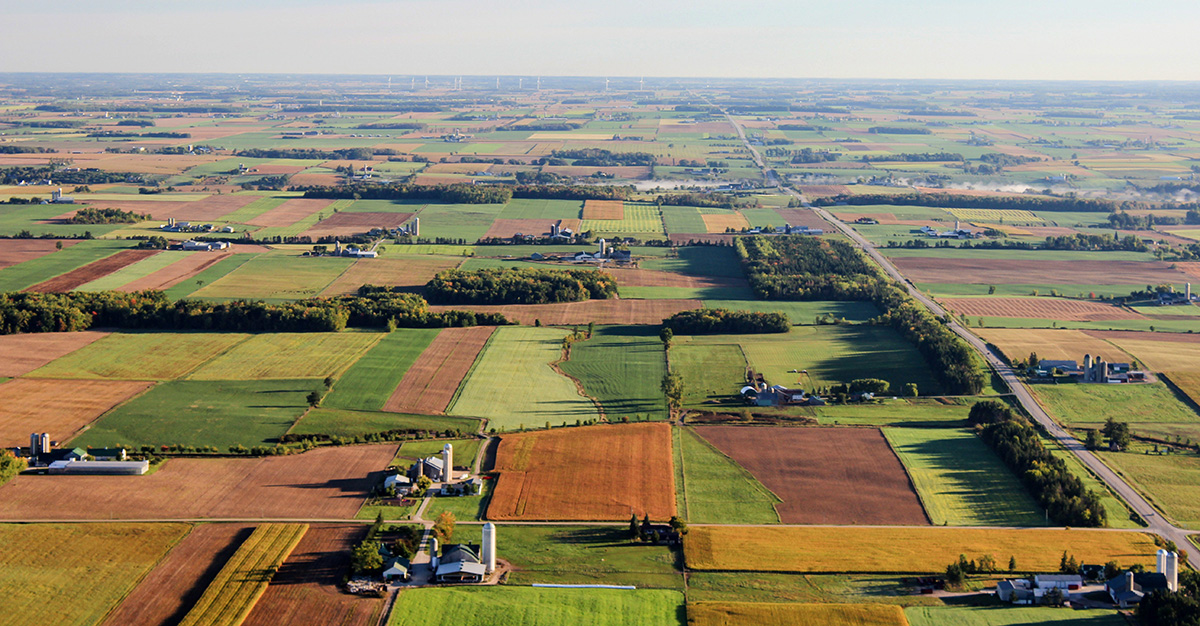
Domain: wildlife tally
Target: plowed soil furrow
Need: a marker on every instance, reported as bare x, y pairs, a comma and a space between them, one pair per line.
86, 274
429, 385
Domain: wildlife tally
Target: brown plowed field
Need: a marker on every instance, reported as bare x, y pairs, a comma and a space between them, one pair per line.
1014, 272
86, 274
585, 474
720, 222
1054, 344
656, 278
290, 212
58, 407
824, 475
614, 311
817, 191
503, 229
306, 590
406, 271
430, 383
176, 272
1043, 308
603, 210
21, 354
176, 583
342, 224
321, 483
14, 251
804, 217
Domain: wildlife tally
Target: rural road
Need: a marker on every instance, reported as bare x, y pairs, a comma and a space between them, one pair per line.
1156, 523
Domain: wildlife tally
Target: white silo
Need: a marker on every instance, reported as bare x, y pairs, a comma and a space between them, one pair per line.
1171, 571
447, 463
1160, 561
489, 547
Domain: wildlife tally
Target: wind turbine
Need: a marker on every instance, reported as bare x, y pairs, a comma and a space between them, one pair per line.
605, 85
642, 84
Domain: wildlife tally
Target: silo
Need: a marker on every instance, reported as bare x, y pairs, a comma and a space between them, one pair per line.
489, 547
416, 227
34, 441
1172, 571
1160, 561
45, 446
447, 463
433, 546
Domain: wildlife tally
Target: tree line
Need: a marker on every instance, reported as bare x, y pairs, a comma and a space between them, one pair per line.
519, 286
598, 157
91, 215
722, 321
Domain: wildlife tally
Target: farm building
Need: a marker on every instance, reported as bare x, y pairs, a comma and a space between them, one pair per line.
1065, 582
437, 469
1098, 370
397, 569
95, 468
759, 394
401, 483
107, 454
204, 245
1129, 588
465, 563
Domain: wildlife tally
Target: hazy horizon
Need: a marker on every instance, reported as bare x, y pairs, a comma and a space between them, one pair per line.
860, 39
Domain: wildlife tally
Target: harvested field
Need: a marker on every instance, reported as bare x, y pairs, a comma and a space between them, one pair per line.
174, 586
21, 354
1054, 344
322, 483
1047, 231
288, 355
59, 407
429, 385
604, 210
804, 217
409, 271
345, 224
91, 271
14, 251
290, 212
584, 474
817, 191
613, 311
211, 208
824, 475
655, 278
141, 356
306, 588
176, 272
507, 228
1174, 354
793, 614
722, 222
1015, 272
902, 550
1047, 308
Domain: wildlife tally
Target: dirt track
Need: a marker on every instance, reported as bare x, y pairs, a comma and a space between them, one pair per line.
824, 475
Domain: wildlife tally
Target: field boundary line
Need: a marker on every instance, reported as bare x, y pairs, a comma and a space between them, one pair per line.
88, 426
579, 388
467, 377
188, 374
678, 441
741, 469
908, 474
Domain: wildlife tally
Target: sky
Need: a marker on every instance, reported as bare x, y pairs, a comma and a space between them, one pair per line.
891, 39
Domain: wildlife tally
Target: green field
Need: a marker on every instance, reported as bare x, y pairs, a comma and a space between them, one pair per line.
699, 261
465, 450
214, 272
1006, 615
1152, 410
622, 366
255, 208
688, 293
368, 384
960, 481
1170, 481
289, 355
582, 555
38, 219
348, 423
528, 606
468, 222
275, 276
461, 507
141, 356
640, 219
34, 271
134, 271
800, 312
83, 570
710, 372
203, 413
538, 209
683, 219
824, 588
716, 490
512, 383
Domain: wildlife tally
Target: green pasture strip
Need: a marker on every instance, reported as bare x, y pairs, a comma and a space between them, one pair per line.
368, 384
529, 606
622, 367
141, 356
289, 356
801, 313
347, 423
585, 555
132, 272
34, 271
718, 490
719, 261
710, 372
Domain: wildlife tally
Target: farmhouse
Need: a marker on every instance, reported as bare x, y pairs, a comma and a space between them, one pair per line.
401, 483
355, 253
759, 394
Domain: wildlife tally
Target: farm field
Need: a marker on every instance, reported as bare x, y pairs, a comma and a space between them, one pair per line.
715, 489
346, 423
181, 267
585, 474
1048, 308
96, 565
581, 555
612, 311
801, 312
960, 481
1054, 344
275, 276
289, 355
205, 413
369, 382
306, 588
23, 353
16, 251
1005, 615
211, 273
59, 407
904, 550
135, 271
769, 614
725, 587
237, 587
851, 472
141, 356
24, 275
529, 606
1175, 355
698, 261
390, 271
323, 483
603, 210
1005, 271
1151, 409
913, 413
622, 367
166, 594
429, 384
92, 271
1170, 481
710, 372
512, 383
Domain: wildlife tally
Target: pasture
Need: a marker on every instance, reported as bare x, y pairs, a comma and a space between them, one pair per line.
1176, 355
233, 593
712, 372
780, 614
530, 606
95, 566
580, 555
141, 356
714, 489
640, 220
1151, 409
93, 271
390, 271
585, 474
961, 482
823, 475
622, 367
289, 355
611, 311
513, 385
708, 586
208, 274
275, 276
904, 550
1006, 615
1169, 481
136, 271
370, 381
34, 271
221, 413
347, 423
